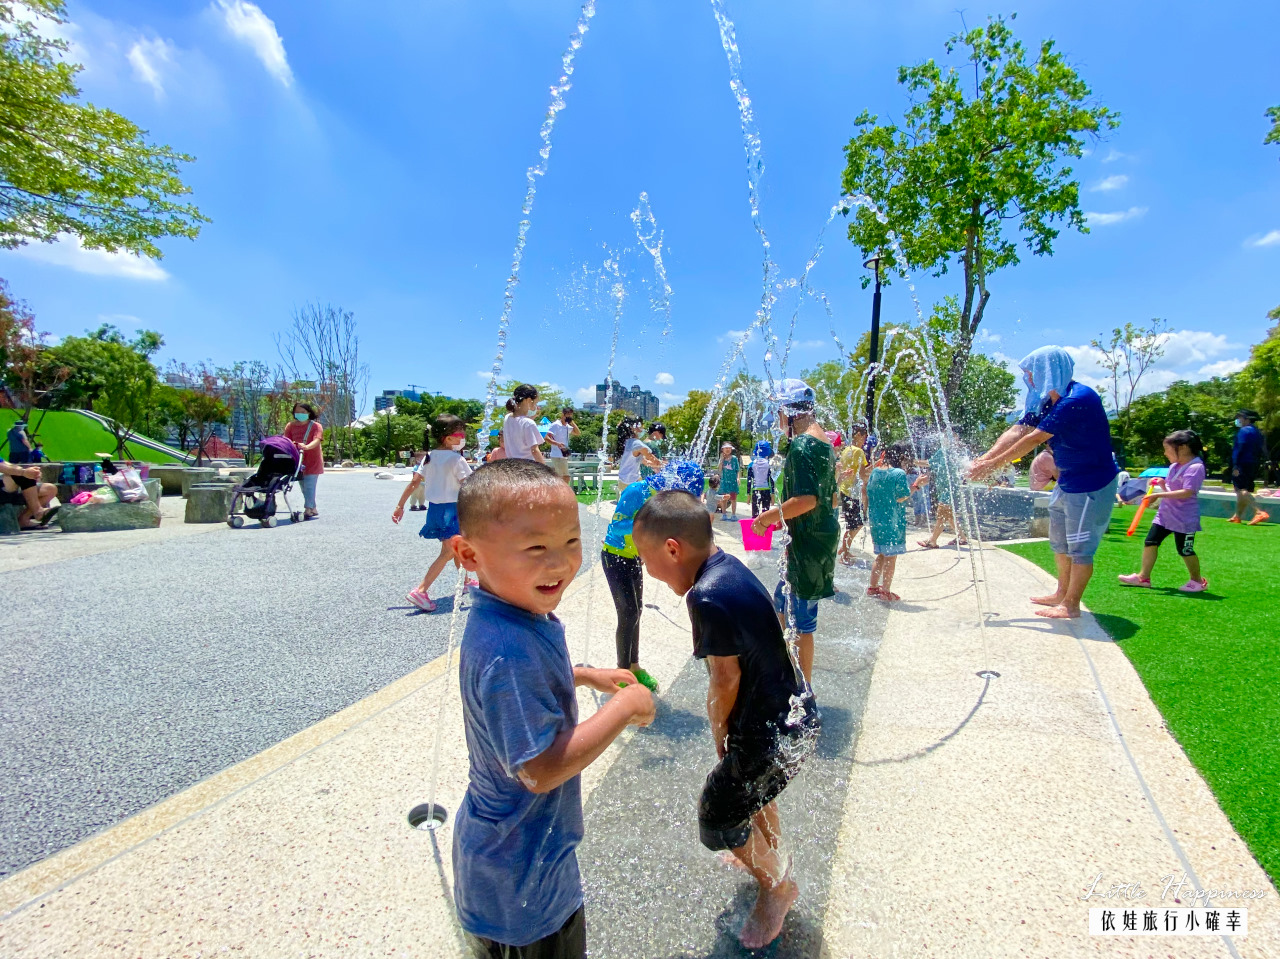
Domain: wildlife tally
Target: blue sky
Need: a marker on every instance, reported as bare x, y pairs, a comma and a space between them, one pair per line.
375, 157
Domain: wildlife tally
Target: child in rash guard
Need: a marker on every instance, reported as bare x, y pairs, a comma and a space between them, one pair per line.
516, 882
763, 715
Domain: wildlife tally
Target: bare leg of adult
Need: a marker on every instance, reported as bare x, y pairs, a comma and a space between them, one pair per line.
1069, 608
1244, 499
1063, 562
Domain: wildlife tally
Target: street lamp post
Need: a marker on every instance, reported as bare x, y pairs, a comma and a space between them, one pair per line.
873, 264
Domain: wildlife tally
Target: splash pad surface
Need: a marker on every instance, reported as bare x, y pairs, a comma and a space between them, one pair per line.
984, 843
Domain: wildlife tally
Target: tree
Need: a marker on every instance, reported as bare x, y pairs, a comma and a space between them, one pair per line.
1273, 114
70, 167
966, 167
202, 396
128, 380
248, 385
30, 376
1260, 379
1208, 407
683, 420
1128, 356
322, 345
86, 357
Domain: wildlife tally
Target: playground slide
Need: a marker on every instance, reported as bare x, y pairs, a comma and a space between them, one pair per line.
82, 435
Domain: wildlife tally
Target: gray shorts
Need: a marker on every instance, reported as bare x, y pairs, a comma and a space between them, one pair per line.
1078, 520
560, 465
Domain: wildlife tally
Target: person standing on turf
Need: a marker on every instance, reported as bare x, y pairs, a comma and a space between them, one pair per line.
808, 505
1179, 512
1248, 455
1070, 417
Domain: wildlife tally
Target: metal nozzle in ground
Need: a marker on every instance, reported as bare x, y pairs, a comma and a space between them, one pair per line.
427, 816
988, 674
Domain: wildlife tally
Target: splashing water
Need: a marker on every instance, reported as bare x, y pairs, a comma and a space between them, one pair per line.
650, 238
557, 104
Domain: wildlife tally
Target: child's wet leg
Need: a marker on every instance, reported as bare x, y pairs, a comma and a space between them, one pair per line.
778, 892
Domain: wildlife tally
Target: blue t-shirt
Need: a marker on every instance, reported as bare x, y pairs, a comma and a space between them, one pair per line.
886, 516
617, 538
18, 452
1081, 442
1248, 447
514, 865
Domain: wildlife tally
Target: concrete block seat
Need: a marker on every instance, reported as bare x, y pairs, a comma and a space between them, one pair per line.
9, 519
194, 475
108, 517
208, 502
170, 478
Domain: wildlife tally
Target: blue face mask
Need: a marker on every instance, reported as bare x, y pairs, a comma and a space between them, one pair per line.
301, 417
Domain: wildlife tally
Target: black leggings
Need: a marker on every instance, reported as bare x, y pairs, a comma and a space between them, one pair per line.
1185, 542
626, 583
761, 501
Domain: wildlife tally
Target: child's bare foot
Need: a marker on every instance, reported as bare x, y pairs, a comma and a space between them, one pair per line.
765, 920
1052, 600
733, 862
1059, 612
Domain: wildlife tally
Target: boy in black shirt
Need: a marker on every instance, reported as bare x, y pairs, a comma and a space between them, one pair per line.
763, 716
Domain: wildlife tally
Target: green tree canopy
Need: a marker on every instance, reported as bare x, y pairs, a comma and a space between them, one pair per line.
1260, 379
975, 166
1208, 407
1273, 114
88, 359
68, 166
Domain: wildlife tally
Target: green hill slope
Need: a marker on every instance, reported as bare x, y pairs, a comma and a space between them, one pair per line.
77, 435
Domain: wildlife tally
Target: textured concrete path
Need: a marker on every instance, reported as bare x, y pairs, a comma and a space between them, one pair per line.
956, 817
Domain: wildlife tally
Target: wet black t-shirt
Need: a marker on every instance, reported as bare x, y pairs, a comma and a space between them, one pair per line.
732, 615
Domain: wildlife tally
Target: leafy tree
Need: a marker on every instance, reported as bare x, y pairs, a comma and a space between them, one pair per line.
388, 435
29, 375
128, 380
683, 419
1261, 376
248, 385
68, 166
975, 166
1128, 356
1273, 114
87, 357
203, 400
1208, 407
166, 416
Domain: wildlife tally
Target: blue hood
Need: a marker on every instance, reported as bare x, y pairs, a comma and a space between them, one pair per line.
1050, 368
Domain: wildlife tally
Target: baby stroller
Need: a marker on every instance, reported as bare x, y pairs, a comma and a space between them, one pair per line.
256, 497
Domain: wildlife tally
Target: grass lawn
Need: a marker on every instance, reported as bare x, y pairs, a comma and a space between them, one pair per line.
67, 435
589, 496
1211, 661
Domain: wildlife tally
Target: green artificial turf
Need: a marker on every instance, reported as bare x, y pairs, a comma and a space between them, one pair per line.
589, 496
68, 436
1211, 660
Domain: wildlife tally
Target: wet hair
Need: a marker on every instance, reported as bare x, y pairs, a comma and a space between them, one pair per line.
658, 428
623, 432
713, 481
490, 493
521, 393
897, 454
674, 514
311, 410
446, 425
1188, 438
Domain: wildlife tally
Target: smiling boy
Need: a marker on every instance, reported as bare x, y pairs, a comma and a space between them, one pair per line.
764, 719
516, 881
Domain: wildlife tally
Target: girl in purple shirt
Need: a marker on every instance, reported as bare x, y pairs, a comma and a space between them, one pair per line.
1179, 512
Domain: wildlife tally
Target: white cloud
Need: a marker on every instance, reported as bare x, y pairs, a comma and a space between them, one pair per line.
586, 394
1268, 239
733, 336
1222, 368
1186, 347
1110, 183
1114, 155
985, 336
1106, 219
811, 344
257, 31
672, 399
149, 57
70, 252
663, 379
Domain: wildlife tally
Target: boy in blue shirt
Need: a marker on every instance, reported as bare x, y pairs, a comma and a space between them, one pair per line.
516, 882
764, 719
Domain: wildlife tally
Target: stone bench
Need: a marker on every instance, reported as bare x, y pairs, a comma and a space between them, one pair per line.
208, 503
9, 519
170, 478
108, 517
196, 475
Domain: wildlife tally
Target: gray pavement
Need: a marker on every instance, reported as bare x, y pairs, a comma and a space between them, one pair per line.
130, 674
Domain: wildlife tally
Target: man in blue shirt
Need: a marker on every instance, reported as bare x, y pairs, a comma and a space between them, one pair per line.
1068, 416
1248, 456
516, 882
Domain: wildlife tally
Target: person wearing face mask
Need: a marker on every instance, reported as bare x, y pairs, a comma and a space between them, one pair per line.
441, 474
808, 504
520, 436
1248, 455
307, 433
1069, 416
